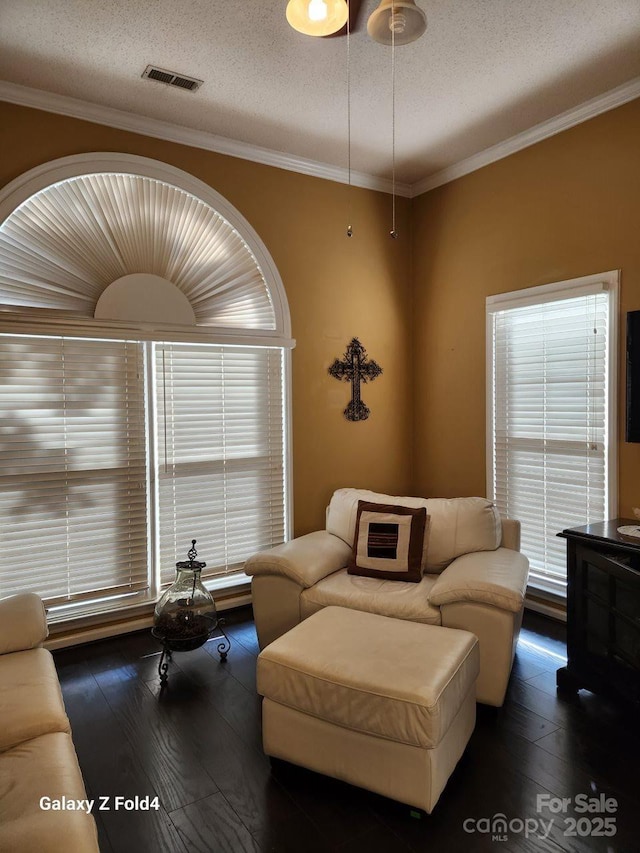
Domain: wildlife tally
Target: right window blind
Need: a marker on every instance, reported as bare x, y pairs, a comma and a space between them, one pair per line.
221, 454
549, 405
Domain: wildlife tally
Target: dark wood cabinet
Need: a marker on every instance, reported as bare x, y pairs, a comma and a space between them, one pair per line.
603, 611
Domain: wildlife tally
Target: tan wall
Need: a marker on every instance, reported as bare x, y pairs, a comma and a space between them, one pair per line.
566, 207
337, 288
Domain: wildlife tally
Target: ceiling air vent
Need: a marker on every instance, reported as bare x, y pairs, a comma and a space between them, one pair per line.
171, 78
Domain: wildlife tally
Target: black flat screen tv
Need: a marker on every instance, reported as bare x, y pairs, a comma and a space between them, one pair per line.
633, 376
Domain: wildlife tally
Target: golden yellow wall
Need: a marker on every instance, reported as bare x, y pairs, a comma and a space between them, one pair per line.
337, 288
566, 207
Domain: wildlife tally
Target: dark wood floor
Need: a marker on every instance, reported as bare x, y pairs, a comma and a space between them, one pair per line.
197, 748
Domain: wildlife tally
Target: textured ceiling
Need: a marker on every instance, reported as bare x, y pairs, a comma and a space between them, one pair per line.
484, 71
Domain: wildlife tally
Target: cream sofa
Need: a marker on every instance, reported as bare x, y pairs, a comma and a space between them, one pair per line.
37, 760
475, 579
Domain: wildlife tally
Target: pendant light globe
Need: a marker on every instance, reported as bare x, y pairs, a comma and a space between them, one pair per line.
317, 17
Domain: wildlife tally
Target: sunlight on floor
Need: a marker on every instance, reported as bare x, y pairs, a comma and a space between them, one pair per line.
543, 650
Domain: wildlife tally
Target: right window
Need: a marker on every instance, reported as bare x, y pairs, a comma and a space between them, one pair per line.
551, 414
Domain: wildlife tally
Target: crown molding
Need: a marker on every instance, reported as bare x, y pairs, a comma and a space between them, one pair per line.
122, 120
583, 112
75, 108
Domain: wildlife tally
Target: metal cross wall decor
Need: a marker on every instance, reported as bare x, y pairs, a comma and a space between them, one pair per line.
354, 368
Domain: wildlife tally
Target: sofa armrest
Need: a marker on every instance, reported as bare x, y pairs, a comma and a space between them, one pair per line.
23, 623
305, 560
495, 577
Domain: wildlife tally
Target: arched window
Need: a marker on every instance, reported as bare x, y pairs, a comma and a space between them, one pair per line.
144, 349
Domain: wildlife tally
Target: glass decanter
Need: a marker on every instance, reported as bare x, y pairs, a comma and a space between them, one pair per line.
185, 617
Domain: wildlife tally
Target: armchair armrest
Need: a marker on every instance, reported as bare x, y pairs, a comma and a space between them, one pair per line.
305, 560
23, 623
510, 534
495, 577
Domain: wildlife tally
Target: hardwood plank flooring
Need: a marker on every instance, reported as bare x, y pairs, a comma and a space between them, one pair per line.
210, 818
196, 745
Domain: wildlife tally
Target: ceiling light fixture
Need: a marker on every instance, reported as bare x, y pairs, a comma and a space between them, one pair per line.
394, 22
317, 17
397, 21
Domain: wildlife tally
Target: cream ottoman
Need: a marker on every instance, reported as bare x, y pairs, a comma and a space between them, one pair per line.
382, 703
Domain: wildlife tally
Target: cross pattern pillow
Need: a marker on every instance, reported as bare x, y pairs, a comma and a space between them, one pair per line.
389, 542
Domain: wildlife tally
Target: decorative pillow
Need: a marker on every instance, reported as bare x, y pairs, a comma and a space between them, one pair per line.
389, 542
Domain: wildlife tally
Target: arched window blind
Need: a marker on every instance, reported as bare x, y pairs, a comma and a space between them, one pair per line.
550, 403
63, 246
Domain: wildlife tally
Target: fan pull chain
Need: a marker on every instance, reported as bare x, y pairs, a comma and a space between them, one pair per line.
349, 228
393, 233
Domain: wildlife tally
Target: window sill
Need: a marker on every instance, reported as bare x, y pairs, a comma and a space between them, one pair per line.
70, 630
549, 604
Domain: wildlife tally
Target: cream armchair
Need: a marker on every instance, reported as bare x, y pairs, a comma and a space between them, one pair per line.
475, 579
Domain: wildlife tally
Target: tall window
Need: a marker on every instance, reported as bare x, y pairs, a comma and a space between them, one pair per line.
73, 495
551, 404
144, 362
82, 479
220, 457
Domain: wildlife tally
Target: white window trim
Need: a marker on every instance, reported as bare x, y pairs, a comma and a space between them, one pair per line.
583, 286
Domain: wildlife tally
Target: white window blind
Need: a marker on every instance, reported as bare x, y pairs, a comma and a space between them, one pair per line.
549, 404
221, 471
73, 505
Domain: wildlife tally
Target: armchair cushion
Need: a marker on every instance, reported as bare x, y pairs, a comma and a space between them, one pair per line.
457, 525
398, 599
496, 577
23, 623
305, 560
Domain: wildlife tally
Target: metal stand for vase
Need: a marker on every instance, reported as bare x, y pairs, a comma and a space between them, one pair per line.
172, 644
